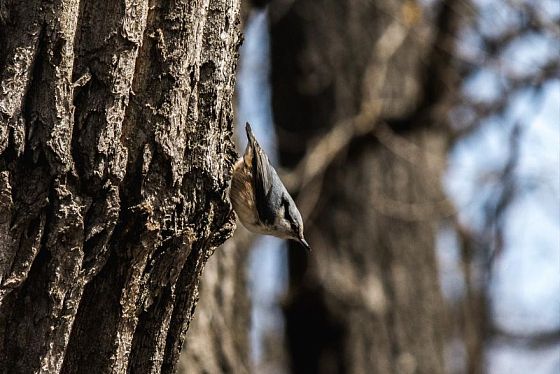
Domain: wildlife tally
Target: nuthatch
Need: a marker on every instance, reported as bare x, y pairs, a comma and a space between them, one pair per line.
259, 197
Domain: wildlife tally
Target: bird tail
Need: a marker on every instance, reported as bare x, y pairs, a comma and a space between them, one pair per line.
250, 135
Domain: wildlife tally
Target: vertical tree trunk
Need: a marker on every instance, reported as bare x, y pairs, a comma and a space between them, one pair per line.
349, 77
115, 126
218, 339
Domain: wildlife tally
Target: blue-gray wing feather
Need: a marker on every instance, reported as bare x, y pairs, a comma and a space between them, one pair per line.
264, 177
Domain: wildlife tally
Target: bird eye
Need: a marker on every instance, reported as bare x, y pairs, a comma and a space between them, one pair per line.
288, 217
294, 226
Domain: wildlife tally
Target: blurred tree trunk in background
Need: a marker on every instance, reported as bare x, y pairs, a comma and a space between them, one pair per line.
218, 339
115, 154
366, 84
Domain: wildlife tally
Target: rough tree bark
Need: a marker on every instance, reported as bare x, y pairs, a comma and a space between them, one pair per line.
115, 141
218, 339
364, 82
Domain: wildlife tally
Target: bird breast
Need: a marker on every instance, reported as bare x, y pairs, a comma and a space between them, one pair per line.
242, 196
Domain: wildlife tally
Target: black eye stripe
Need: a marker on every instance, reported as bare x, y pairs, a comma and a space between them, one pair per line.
287, 210
294, 226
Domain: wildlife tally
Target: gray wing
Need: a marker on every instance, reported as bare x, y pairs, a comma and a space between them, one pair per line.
263, 178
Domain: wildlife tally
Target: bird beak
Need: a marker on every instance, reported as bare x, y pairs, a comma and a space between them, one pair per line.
305, 244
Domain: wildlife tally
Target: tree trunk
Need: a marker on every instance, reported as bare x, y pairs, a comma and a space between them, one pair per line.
115, 140
348, 78
218, 339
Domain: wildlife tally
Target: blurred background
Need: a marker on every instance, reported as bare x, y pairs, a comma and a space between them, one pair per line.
421, 140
